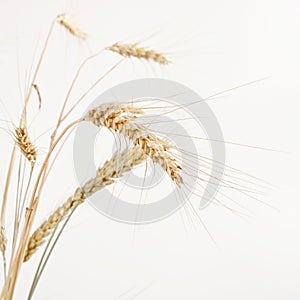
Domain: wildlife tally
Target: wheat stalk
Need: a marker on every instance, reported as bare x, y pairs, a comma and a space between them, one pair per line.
25, 144
69, 23
112, 169
134, 50
120, 118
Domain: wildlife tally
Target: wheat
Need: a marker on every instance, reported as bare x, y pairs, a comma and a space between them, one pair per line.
25, 145
3, 241
134, 50
158, 150
69, 23
38, 237
119, 164
120, 118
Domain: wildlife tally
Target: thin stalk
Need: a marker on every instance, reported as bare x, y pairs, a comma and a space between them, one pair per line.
21, 209
23, 117
4, 201
18, 197
57, 154
90, 88
70, 90
44, 259
26, 194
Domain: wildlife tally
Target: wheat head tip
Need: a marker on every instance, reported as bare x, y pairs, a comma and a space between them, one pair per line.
67, 21
25, 144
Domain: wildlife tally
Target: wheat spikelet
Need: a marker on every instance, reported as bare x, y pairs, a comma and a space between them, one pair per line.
158, 150
25, 145
69, 23
120, 118
119, 164
3, 241
38, 237
134, 50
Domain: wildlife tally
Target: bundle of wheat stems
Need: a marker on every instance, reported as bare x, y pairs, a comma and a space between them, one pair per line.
120, 118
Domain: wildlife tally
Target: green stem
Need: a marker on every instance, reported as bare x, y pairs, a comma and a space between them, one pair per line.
45, 257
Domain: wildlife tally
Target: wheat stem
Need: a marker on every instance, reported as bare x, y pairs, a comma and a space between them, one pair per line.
45, 257
20, 212
61, 118
23, 117
91, 87
3, 239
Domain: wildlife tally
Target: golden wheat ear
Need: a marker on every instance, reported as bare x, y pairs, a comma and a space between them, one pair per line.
134, 50
68, 22
112, 169
3, 241
121, 118
25, 145
47, 227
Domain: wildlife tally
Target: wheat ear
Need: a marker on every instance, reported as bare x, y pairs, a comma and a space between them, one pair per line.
134, 50
69, 23
112, 169
25, 144
3, 242
121, 118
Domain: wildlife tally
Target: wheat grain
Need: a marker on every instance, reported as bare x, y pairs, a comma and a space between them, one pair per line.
120, 118
25, 145
112, 169
69, 23
134, 50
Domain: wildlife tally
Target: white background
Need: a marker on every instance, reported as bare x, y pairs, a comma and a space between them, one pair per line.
215, 45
